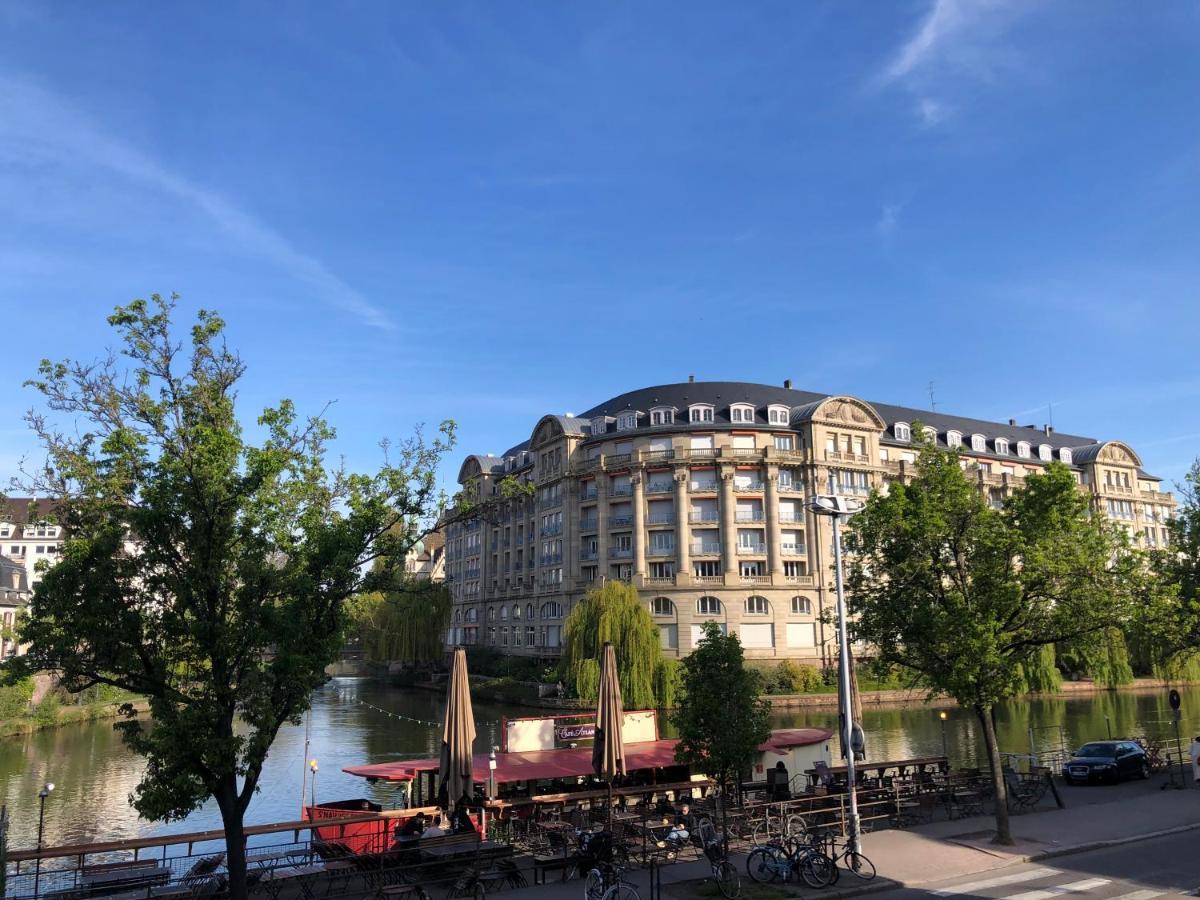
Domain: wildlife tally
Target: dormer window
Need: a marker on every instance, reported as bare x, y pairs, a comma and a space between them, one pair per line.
930, 434
599, 425
627, 421
1045, 452
953, 439
978, 443
700, 412
1064, 454
1023, 449
1001, 445
902, 431
778, 415
662, 415
741, 412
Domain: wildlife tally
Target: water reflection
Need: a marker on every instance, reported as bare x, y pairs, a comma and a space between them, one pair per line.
94, 773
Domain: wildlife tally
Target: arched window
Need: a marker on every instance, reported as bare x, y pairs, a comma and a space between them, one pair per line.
708, 606
1064, 454
778, 415
458, 615
1001, 445
504, 614
662, 606
757, 606
516, 613
627, 421
741, 412
552, 610
1023, 449
801, 606
700, 412
1045, 452
530, 612
902, 431
491, 614
662, 415
953, 439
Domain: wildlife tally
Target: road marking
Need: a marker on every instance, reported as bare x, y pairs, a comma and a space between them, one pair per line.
1015, 878
1075, 887
1137, 895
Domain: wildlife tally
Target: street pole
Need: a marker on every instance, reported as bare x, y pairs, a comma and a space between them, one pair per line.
313, 767
844, 691
37, 865
304, 768
942, 714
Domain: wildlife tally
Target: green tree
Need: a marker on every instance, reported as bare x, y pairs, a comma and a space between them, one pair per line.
966, 596
405, 624
1167, 631
201, 570
612, 612
721, 719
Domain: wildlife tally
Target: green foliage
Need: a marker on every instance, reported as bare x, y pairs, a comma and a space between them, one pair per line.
790, 678
965, 595
587, 680
45, 714
1168, 629
226, 616
407, 624
721, 719
14, 698
668, 683
485, 660
612, 612
1039, 673
1109, 661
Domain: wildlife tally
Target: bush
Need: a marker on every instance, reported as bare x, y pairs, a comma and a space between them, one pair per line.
14, 699
791, 678
45, 714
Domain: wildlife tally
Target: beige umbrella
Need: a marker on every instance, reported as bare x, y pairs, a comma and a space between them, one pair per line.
458, 736
608, 748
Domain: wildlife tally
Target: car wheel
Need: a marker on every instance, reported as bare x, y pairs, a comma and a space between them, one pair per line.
1144, 770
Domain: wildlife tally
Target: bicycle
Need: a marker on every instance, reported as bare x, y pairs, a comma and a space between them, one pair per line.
786, 827
716, 851
784, 861
853, 860
604, 882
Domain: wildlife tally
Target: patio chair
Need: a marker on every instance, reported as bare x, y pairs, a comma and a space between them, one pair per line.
1024, 793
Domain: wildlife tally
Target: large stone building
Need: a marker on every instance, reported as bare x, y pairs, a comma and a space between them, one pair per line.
695, 493
27, 536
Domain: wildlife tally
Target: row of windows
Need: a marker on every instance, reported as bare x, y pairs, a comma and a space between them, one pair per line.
740, 413
711, 606
549, 610
1000, 446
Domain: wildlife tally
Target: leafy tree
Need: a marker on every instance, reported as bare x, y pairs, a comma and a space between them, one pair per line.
200, 569
406, 624
1039, 673
721, 719
1167, 632
612, 612
966, 596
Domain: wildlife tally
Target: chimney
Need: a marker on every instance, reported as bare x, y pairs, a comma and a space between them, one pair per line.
691, 379
1049, 429
1012, 423
787, 384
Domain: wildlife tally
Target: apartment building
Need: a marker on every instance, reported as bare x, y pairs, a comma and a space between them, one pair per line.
696, 494
26, 538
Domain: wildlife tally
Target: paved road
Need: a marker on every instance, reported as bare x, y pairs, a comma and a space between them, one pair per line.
1161, 868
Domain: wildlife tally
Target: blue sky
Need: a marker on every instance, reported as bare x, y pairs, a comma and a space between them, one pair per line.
490, 212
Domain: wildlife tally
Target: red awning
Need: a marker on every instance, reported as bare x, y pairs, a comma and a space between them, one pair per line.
541, 765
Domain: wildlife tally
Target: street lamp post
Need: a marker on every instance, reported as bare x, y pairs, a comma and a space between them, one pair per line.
312, 767
943, 715
835, 507
37, 865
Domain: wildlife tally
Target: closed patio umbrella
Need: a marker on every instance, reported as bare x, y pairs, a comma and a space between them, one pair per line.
608, 749
458, 736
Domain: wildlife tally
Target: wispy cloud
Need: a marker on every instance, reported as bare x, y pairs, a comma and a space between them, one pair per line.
956, 38
889, 219
36, 125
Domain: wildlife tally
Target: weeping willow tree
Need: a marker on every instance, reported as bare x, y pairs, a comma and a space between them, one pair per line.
1039, 674
404, 625
614, 613
1108, 664
668, 683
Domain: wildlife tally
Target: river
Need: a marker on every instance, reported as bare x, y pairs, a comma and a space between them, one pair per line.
94, 773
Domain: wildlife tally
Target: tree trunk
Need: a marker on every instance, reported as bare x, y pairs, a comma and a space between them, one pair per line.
1003, 834
235, 840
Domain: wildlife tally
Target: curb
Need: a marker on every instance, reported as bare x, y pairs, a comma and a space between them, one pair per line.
883, 884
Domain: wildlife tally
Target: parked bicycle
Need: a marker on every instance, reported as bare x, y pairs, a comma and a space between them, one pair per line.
779, 827
841, 857
604, 882
716, 851
784, 861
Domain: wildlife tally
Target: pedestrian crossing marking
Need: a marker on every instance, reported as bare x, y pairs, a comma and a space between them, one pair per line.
1138, 895
998, 881
1075, 887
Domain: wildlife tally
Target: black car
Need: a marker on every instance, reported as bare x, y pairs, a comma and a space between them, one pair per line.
1106, 761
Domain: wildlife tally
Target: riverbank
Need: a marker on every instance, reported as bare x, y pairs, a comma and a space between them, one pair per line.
40, 720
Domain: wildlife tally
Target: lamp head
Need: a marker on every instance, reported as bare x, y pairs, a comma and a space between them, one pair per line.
312, 764
943, 715
46, 789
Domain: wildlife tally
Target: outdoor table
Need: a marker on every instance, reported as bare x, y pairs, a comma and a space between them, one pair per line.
117, 878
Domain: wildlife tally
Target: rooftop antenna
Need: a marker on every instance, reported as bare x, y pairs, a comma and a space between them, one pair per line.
1050, 407
932, 402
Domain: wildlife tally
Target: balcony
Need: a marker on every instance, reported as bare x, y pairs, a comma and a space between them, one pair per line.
548, 531
708, 579
793, 549
1122, 489
657, 455
621, 553
661, 551
588, 524
620, 490
660, 581
752, 549
659, 487
711, 518
703, 487
791, 517
755, 452
748, 487
701, 453
705, 548
616, 460
588, 555
749, 517
588, 495
661, 519
806, 580
845, 456
587, 465
551, 503
756, 579
790, 487
620, 521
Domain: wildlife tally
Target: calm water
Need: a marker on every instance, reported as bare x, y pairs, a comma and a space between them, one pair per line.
94, 773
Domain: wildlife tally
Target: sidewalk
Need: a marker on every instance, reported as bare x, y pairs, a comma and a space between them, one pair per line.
1094, 816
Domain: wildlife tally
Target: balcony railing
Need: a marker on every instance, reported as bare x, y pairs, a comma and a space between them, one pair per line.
588, 524
791, 517
588, 495
747, 451
588, 555
798, 579
661, 519
705, 547
620, 521
1118, 489
709, 579
621, 553
711, 517
548, 531
701, 452
617, 459
793, 549
751, 549
659, 487
704, 487
661, 581
661, 551
790, 487
756, 579
587, 465
657, 455
742, 516
846, 456
747, 487
620, 490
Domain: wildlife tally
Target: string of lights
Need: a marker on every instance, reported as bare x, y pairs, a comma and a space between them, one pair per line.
404, 718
